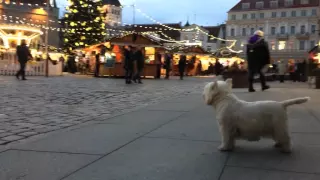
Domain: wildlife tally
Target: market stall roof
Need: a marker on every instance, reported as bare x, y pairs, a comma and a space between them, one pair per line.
135, 40
189, 49
226, 52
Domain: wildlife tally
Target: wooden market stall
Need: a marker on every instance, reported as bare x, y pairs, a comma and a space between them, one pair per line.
112, 65
194, 55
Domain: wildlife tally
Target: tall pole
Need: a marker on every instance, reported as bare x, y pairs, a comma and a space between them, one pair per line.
134, 13
46, 39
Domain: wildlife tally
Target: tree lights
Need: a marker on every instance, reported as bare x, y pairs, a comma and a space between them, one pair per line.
83, 17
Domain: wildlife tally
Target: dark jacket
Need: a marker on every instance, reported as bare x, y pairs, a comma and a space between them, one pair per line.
128, 59
258, 54
182, 63
168, 62
23, 53
139, 58
218, 68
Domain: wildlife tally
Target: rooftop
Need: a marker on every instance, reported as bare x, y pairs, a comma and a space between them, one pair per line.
277, 4
112, 2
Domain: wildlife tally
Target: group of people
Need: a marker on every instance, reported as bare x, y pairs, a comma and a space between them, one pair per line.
181, 65
133, 55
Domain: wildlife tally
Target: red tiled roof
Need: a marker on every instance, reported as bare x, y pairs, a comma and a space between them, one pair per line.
281, 4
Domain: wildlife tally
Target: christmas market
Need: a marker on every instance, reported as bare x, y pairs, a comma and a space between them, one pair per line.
111, 62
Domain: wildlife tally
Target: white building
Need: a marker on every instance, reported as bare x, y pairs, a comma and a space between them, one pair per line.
290, 26
113, 12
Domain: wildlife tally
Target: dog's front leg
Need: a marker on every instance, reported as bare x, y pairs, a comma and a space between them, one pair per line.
226, 138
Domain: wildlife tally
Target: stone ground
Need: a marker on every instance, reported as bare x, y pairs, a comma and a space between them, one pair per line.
173, 139
41, 105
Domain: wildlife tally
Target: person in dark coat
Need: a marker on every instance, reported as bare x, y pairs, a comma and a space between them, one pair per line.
182, 65
139, 58
218, 68
258, 56
97, 69
24, 55
72, 68
301, 71
168, 60
128, 63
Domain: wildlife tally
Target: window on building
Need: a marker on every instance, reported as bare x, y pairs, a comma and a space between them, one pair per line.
283, 14
233, 17
282, 30
273, 30
245, 5
244, 33
304, 1
313, 29
244, 16
209, 48
274, 14
259, 5
288, 3
282, 45
292, 29
312, 44
302, 45
232, 32
303, 13
253, 15
293, 13
303, 29
261, 28
261, 15
314, 12
251, 31
274, 4
186, 37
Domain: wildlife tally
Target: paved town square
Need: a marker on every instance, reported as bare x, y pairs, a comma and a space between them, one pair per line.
96, 129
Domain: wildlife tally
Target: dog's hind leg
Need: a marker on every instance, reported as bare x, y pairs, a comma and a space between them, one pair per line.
282, 138
228, 139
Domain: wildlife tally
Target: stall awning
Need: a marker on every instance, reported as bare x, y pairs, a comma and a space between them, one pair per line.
134, 40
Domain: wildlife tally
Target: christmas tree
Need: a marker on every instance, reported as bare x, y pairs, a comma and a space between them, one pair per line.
84, 24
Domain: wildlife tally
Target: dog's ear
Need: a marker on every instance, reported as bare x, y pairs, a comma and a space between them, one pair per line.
229, 82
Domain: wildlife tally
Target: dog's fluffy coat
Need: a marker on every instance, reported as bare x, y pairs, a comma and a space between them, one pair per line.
251, 121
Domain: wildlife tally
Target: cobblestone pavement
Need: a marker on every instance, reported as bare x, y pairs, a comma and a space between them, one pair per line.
42, 105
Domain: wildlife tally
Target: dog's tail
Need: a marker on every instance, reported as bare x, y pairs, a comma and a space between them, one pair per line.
291, 102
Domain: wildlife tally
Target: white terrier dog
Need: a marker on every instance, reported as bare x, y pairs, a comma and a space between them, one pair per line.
250, 121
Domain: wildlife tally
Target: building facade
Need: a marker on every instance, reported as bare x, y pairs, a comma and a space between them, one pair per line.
113, 12
26, 19
290, 26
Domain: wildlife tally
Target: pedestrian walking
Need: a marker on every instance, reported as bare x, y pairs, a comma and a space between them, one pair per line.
218, 68
292, 71
258, 56
139, 58
72, 68
199, 68
167, 64
128, 63
97, 68
182, 65
301, 71
24, 55
282, 70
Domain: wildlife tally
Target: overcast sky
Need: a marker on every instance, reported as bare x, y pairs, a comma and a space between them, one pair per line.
202, 12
